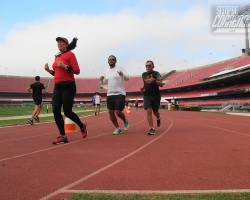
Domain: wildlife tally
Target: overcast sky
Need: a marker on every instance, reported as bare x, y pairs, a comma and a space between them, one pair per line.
174, 35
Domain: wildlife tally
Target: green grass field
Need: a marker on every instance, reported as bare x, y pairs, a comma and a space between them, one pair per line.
27, 110
223, 196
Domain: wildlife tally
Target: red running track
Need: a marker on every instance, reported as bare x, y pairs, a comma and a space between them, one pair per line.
190, 152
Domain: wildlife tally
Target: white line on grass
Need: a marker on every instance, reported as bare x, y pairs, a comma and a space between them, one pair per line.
141, 192
20, 125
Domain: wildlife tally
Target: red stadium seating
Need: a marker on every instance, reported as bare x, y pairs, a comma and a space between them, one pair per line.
209, 92
196, 75
17, 84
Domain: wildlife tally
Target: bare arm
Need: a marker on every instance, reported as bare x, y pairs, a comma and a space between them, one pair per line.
159, 82
29, 89
46, 67
103, 80
126, 77
123, 74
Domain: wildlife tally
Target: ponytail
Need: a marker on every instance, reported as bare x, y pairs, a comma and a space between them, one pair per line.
72, 44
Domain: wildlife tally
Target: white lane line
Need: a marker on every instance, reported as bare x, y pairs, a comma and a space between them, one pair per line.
57, 146
21, 125
228, 130
40, 115
239, 114
24, 138
61, 190
53, 147
158, 191
34, 136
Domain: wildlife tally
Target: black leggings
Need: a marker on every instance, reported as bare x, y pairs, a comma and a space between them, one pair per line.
64, 93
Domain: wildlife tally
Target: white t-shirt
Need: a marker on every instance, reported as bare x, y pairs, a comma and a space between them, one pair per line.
115, 81
97, 99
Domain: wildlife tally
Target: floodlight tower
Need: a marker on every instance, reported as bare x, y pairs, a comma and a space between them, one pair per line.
245, 10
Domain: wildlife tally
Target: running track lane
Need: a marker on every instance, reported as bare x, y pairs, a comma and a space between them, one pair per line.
198, 157
209, 155
30, 176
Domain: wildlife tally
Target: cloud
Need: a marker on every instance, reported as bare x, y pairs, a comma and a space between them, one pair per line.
172, 39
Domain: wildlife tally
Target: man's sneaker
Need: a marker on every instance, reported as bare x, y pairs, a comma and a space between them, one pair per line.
117, 131
84, 131
30, 121
158, 122
60, 140
126, 125
37, 119
151, 131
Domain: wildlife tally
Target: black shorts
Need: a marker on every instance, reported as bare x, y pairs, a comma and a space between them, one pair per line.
37, 100
116, 102
152, 102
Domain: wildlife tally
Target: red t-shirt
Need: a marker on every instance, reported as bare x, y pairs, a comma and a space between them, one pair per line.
69, 59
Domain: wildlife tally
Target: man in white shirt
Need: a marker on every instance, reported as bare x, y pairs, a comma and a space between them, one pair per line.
97, 100
115, 77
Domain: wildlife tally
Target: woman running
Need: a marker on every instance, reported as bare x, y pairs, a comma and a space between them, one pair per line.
64, 68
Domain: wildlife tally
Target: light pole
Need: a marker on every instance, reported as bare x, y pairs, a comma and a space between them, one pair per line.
247, 52
245, 10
